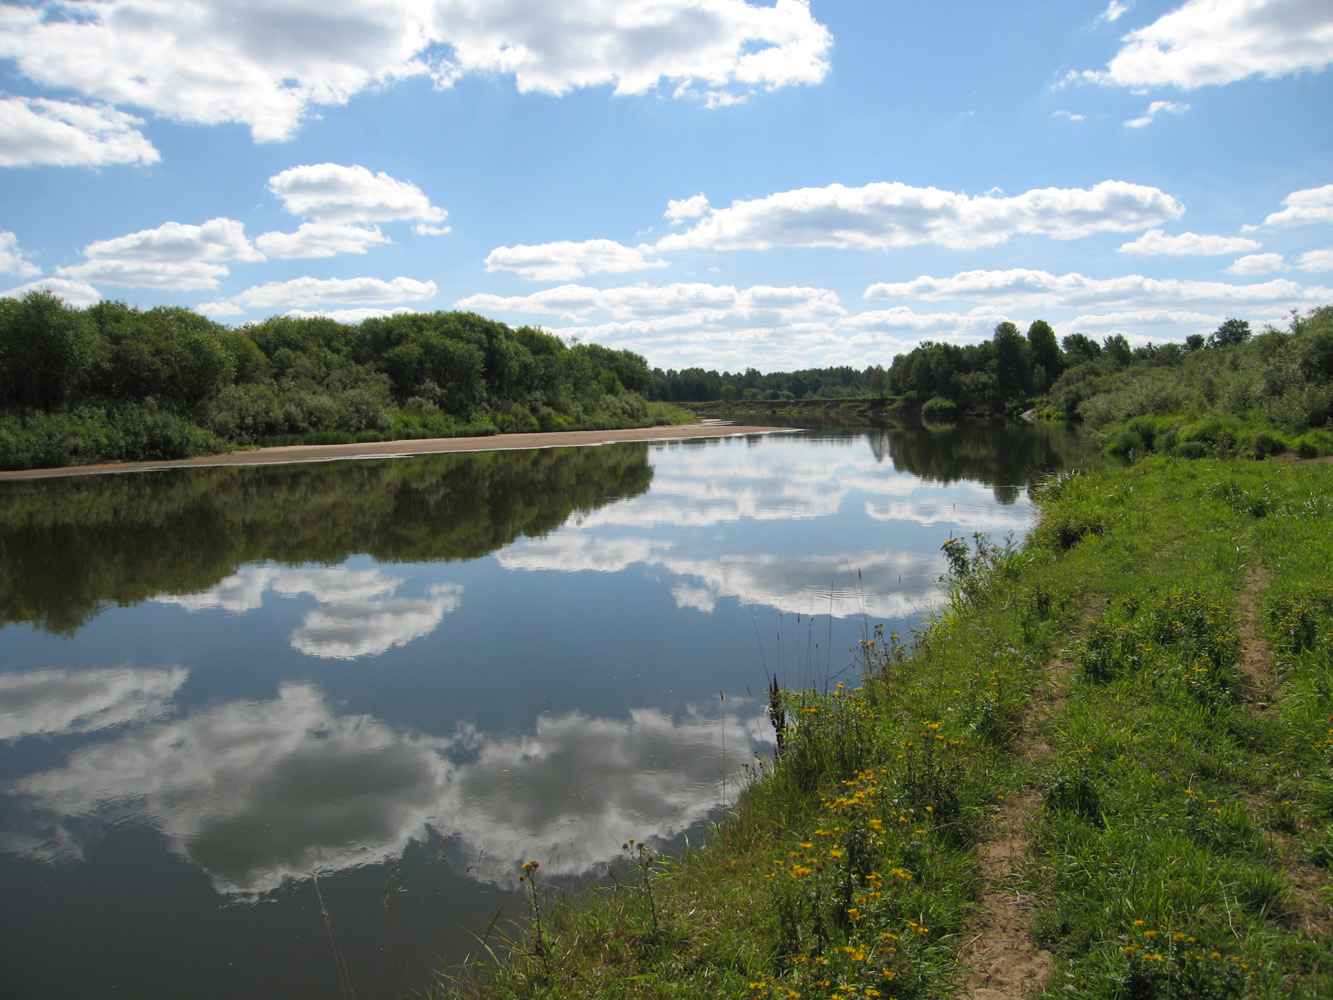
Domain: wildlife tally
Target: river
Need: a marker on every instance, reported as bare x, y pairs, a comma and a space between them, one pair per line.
234, 699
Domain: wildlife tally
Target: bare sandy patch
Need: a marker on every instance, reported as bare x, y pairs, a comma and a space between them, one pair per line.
423, 446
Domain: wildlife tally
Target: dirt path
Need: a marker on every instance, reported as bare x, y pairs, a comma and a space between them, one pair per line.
1310, 903
424, 446
1002, 961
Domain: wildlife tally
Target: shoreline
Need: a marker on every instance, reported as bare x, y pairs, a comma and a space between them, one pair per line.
288, 454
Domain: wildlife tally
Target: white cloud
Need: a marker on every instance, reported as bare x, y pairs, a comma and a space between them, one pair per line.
686, 302
1214, 42
320, 239
1068, 116
35, 131
1113, 12
331, 193
1257, 263
174, 255
1156, 242
892, 214
349, 316
268, 63
188, 275
565, 260
1304, 207
1116, 321
75, 293
1154, 109
717, 49
308, 292
263, 63
1021, 288
1316, 260
966, 327
12, 259
61, 702
686, 208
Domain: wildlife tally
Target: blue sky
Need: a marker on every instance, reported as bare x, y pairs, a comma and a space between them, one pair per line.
706, 182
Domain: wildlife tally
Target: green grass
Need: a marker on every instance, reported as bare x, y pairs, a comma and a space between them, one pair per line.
1182, 841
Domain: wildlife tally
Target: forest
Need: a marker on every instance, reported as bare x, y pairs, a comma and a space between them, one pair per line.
1280, 381
116, 383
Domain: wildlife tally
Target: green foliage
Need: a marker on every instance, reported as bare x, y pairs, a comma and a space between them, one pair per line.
114, 383
1253, 396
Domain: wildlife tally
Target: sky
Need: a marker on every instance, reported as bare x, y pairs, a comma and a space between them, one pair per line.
713, 183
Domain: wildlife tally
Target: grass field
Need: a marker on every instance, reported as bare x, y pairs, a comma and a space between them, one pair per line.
1102, 770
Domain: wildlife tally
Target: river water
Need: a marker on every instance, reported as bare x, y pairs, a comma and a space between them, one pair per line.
233, 699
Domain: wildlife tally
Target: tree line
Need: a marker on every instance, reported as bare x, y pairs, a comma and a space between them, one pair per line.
113, 382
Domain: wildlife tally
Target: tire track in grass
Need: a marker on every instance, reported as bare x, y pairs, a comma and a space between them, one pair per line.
1313, 904
1001, 959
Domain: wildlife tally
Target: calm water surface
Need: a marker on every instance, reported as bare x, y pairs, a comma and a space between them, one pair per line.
410, 676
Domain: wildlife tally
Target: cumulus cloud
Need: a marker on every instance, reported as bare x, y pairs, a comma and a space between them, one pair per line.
310, 292
35, 131
1070, 116
1316, 260
720, 50
12, 259
319, 239
335, 194
79, 294
1215, 42
1304, 207
1153, 110
1156, 242
1025, 288
686, 208
687, 302
349, 316
565, 260
1220, 42
174, 255
269, 63
892, 214
1257, 263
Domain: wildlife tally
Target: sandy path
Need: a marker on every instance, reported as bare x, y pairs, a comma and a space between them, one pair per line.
424, 446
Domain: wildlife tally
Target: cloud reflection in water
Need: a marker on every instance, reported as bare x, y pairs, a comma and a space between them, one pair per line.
258, 792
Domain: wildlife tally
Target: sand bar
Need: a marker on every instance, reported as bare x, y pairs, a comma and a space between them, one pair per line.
399, 449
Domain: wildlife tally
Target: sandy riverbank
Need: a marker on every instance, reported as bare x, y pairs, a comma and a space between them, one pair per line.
424, 446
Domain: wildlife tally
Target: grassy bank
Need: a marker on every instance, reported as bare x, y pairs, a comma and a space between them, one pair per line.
1102, 771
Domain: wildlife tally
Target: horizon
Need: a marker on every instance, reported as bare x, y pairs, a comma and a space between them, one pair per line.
713, 184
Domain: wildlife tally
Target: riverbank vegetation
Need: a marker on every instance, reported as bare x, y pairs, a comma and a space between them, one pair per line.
115, 383
1233, 392
1102, 770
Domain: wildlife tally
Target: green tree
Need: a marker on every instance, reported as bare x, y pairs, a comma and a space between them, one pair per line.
1231, 332
1117, 348
46, 350
1080, 348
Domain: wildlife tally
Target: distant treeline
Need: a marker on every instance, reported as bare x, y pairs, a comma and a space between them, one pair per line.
1232, 391
695, 385
115, 383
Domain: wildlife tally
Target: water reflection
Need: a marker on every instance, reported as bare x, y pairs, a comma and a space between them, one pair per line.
70, 547
68, 702
358, 617
216, 682
256, 793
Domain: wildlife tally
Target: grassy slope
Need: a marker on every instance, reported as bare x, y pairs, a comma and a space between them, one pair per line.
1127, 725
